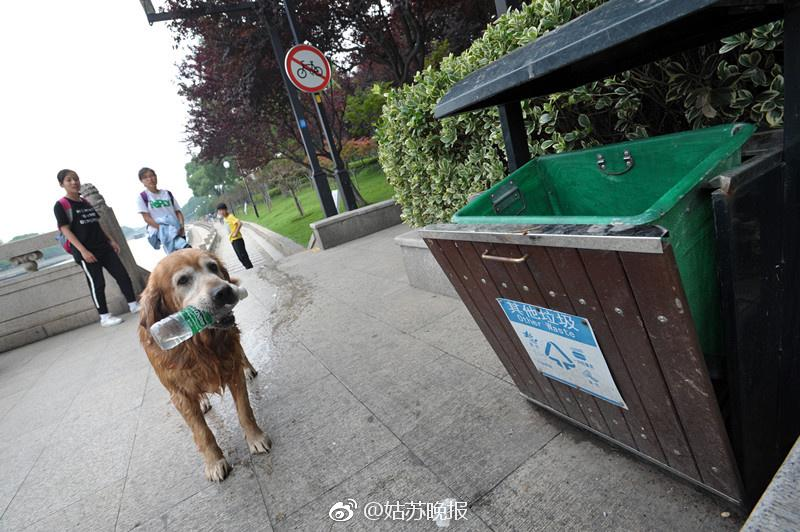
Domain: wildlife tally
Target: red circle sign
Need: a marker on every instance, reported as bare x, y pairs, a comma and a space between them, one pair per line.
307, 67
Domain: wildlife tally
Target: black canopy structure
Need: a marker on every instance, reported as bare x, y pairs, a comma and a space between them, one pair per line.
610, 39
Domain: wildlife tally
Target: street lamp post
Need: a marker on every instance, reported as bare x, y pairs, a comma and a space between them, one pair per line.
227, 165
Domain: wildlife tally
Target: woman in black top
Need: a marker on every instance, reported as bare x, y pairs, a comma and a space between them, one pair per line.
92, 247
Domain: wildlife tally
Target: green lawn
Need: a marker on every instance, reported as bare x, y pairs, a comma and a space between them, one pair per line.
285, 219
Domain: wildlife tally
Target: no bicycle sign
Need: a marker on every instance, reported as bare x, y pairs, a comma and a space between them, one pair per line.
307, 67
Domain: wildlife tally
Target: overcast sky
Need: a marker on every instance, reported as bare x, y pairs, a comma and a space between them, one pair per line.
86, 85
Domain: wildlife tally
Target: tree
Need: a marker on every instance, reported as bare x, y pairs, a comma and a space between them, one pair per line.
237, 102
262, 183
208, 177
391, 38
197, 207
287, 175
364, 110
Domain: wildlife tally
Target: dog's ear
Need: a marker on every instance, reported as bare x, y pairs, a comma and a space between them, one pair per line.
153, 307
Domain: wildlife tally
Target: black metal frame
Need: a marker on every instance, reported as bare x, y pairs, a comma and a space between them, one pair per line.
515, 137
156, 16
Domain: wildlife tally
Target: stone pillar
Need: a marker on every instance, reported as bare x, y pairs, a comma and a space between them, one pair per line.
109, 222
27, 261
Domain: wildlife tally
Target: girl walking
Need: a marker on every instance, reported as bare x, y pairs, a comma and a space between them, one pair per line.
91, 247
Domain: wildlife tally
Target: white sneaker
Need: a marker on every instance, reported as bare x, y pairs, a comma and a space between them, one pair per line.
109, 321
134, 307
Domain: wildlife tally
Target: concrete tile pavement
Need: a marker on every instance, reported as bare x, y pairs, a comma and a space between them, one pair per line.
370, 390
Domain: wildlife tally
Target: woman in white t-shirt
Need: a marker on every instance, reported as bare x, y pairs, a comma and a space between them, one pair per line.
165, 223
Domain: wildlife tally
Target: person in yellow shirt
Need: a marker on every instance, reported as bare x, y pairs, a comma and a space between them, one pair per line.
235, 227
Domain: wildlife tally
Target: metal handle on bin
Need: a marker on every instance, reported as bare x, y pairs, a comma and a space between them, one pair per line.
486, 256
627, 158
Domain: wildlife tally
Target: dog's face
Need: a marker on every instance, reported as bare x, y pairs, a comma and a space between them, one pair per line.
190, 277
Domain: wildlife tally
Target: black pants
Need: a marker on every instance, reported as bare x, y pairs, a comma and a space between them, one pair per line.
108, 259
241, 252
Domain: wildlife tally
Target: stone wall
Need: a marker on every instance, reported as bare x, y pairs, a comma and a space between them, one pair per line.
46, 301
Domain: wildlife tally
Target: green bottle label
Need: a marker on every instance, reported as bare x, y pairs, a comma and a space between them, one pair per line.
196, 319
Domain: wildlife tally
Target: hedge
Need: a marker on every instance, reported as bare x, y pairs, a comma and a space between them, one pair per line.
434, 165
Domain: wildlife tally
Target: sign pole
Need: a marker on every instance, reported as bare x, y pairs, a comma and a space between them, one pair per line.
340, 172
317, 174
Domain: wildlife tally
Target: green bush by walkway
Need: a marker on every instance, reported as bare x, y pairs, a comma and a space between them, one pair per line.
284, 218
434, 165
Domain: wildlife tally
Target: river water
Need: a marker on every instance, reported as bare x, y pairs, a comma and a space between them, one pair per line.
145, 255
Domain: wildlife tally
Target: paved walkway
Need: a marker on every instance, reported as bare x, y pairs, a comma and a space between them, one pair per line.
371, 390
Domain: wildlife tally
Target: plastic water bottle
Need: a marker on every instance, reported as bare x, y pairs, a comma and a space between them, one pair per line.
180, 326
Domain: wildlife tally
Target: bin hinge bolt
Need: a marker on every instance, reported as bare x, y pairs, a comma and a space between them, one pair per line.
504, 285
525, 288
619, 311
582, 301
483, 280
466, 278
552, 294
663, 319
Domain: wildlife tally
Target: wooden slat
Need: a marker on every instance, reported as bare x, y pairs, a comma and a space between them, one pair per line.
503, 329
502, 280
521, 274
482, 311
638, 432
554, 297
665, 313
622, 315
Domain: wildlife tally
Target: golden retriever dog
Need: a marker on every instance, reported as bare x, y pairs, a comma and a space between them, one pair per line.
208, 362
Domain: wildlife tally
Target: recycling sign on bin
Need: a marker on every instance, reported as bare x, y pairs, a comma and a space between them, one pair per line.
563, 347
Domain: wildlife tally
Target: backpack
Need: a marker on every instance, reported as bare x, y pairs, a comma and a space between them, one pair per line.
143, 194
60, 238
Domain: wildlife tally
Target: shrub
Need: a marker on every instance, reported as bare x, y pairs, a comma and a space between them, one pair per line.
355, 149
364, 108
435, 165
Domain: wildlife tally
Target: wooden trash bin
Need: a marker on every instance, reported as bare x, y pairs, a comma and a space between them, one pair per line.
631, 295
625, 284
608, 322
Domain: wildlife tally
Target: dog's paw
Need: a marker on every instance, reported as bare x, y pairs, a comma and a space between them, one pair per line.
259, 444
217, 471
205, 404
250, 373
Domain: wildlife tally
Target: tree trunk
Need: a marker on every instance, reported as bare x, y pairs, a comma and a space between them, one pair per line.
360, 201
267, 198
297, 201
